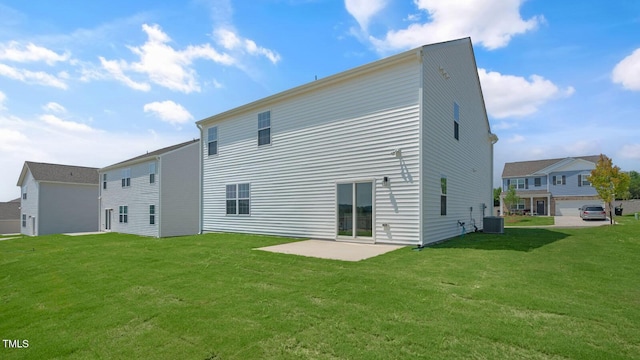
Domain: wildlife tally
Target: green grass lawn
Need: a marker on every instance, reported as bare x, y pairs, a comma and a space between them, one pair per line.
528, 294
520, 220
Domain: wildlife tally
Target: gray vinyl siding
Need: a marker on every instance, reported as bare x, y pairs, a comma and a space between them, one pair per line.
178, 213
467, 162
137, 197
344, 131
67, 208
29, 206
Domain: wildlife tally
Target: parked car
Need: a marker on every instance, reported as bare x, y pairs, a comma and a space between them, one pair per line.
593, 212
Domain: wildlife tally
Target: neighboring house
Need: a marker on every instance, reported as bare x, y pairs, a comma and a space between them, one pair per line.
156, 194
10, 217
550, 187
395, 151
58, 199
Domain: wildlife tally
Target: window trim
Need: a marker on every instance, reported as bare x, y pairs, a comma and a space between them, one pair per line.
582, 180
24, 196
152, 172
559, 180
264, 128
152, 214
537, 182
126, 177
123, 214
456, 121
212, 140
443, 195
24, 220
104, 181
236, 199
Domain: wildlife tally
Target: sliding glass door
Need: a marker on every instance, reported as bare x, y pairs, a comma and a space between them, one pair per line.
355, 209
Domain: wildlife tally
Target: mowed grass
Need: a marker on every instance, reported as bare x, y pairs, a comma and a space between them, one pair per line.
528, 294
519, 220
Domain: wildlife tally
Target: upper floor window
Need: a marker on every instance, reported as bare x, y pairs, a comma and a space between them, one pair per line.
559, 180
152, 173
518, 183
456, 121
212, 140
537, 182
104, 181
126, 177
24, 196
264, 128
583, 180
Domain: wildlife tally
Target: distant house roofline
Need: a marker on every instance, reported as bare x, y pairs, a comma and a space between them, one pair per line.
149, 155
540, 167
58, 173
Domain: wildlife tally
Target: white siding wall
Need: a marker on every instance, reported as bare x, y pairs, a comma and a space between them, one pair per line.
137, 197
466, 162
29, 206
341, 132
67, 208
179, 213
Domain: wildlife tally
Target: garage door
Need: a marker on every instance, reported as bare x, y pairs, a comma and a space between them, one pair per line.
570, 207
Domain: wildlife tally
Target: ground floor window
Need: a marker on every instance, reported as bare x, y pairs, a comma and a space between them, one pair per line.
152, 214
355, 209
24, 220
238, 199
124, 214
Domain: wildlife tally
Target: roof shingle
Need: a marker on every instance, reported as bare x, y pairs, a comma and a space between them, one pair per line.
63, 173
523, 168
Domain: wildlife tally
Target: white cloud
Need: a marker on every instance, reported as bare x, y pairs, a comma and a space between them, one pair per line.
491, 23
31, 140
630, 151
627, 72
54, 107
3, 97
169, 111
14, 51
516, 139
514, 96
116, 70
34, 77
59, 124
231, 41
363, 10
161, 63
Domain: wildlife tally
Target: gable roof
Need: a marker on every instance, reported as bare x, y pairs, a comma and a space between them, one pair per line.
59, 173
341, 76
150, 155
10, 210
524, 168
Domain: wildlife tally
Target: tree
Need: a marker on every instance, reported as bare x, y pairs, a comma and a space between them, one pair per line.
496, 196
608, 181
511, 198
634, 185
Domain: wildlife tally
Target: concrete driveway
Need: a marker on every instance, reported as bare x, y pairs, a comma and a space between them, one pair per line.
576, 221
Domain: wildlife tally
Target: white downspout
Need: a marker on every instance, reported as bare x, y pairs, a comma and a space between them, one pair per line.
200, 201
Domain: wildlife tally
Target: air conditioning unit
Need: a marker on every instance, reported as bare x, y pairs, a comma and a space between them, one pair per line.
493, 225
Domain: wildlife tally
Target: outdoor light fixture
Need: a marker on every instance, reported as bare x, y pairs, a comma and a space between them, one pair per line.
397, 152
385, 181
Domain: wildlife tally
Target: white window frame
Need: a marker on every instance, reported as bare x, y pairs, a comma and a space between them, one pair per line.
152, 172
582, 180
212, 141
24, 220
126, 177
559, 179
443, 195
152, 214
123, 214
232, 195
263, 117
104, 181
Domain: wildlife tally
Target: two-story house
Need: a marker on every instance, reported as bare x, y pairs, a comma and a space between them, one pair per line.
58, 199
552, 187
154, 194
396, 151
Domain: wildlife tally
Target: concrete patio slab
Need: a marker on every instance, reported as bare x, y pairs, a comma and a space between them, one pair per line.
335, 250
85, 233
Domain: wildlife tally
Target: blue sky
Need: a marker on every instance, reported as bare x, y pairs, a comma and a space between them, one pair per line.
95, 82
